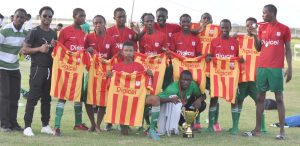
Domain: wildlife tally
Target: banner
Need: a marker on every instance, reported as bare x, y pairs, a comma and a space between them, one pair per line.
195, 65
97, 82
157, 64
67, 73
224, 77
126, 102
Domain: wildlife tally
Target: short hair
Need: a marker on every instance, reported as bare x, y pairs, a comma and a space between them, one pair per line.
76, 11
128, 43
46, 8
185, 15
186, 72
119, 9
226, 21
144, 15
21, 10
100, 16
251, 19
210, 17
162, 9
28, 16
1, 16
59, 24
271, 8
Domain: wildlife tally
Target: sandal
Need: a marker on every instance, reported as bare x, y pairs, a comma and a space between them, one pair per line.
250, 134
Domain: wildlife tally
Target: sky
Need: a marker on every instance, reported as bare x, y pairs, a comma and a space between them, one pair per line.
235, 10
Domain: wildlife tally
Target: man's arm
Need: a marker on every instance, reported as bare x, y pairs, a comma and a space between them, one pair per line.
288, 56
26, 50
257, 43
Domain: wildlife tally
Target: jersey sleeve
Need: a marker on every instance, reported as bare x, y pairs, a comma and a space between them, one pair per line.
170, 90
196, 89
61, 37
198, 46
173, 43
287, 35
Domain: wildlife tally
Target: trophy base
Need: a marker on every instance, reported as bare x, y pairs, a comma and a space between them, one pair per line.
188, 135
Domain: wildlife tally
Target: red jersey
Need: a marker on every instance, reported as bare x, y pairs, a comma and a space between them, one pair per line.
273, 37
152, 44
103, 45
72, 38
129, 68
121, 36
185, 45
168, 30
224, 48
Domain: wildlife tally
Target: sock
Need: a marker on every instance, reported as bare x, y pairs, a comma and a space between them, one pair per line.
217, 114
154, 116
78, 113
263, 123
235, 115
58, 113
198, 118
211, 117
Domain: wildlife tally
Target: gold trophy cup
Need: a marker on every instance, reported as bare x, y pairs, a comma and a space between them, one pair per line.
189, 117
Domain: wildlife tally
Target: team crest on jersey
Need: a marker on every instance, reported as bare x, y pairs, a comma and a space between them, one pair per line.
278, 34
137, 83
231, 65
107, 46
156, 44
170, 34
130, 36
78, 60
193, 43
231, 48
120, 45
211, 31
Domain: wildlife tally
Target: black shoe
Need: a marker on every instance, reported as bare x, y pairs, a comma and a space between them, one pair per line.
17, 127
2, 129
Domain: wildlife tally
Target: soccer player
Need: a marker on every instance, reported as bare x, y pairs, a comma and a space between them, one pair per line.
152, 42
120, 32
37, 44
73, 38
128, 65
184, 43
207, 31
273, 42
11, 38
186, 91
102, 44
223, 47
247, 85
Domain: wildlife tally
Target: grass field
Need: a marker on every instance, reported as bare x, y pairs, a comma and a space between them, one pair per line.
247, 121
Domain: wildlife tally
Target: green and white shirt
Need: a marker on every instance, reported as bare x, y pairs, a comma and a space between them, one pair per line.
11, 41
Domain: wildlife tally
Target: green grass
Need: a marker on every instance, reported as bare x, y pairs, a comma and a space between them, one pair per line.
247, 121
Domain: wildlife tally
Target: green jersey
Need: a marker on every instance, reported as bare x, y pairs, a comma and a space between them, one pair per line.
173, 89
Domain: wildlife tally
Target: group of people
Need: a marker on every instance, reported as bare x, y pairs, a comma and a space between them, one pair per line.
271, 43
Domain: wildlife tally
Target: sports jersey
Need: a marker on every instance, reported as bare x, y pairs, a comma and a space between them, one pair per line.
71, 38
173, 89
152, 44
185, 45
224, 48
169, 29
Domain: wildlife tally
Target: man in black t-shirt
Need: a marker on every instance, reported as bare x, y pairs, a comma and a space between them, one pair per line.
38, 44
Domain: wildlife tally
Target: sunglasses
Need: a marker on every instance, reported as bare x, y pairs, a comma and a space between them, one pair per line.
45, 16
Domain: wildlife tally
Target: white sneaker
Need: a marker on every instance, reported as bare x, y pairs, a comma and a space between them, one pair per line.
47, 130
28, 132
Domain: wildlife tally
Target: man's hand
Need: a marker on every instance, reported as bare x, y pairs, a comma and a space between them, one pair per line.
174, 100
202, 26
288, 74
90, 50
53, 43
135, 28
109, 74
197, 103
241, 60
44, 48
149, 72
208, 58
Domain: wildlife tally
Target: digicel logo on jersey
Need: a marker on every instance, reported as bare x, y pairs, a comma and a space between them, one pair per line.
222, 56
76, 48
270, 42
185, 53
150, 66
190, 64
68, 67
205, 39
249, 51
222, 72
126, 90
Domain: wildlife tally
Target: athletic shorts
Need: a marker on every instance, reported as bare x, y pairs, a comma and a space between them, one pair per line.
245, 89
269, 79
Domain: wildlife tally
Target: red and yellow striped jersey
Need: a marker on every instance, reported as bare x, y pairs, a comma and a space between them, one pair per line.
126, 102
67, 73
211, 31
224, 76
157, 64
195, 65
248, 52
97, 84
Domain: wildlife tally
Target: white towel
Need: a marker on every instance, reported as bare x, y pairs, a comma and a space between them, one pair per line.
168, 118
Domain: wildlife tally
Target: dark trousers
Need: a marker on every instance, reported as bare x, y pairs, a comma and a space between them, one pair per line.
40, 84
10, 84
188, 105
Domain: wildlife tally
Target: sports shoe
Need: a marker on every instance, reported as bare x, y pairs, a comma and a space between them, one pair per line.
28, 132
56, 132
108, 127
3, 129
47, 130
217, 127
152, 134
81, 127
197, 126
17, 127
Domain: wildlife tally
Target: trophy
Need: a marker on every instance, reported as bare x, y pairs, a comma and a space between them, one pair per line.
189, 117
